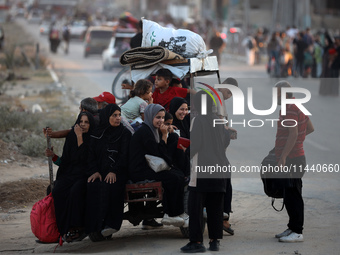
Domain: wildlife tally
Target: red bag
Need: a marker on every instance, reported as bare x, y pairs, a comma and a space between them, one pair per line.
43, 221
183, 141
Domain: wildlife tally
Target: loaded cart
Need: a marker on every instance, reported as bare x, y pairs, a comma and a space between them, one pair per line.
175, 52
143, 200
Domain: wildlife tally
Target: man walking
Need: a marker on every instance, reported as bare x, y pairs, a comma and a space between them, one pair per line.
289, 152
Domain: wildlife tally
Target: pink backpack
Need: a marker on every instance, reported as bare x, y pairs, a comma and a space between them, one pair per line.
43, 221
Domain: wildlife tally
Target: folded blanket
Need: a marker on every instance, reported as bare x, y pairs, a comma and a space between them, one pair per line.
147, 56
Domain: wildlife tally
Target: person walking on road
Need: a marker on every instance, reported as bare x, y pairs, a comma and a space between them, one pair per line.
66, 38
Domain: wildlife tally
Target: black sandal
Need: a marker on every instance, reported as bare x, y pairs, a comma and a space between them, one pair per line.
74, 235
229, 230
67, 237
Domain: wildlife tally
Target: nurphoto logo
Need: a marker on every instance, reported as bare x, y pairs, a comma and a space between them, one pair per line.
239, 102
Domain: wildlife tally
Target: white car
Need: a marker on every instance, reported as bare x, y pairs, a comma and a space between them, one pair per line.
44, 28
78, 29
35, 16
119, 43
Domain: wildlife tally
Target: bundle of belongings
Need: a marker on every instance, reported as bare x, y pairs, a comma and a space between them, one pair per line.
162, 43
147, 56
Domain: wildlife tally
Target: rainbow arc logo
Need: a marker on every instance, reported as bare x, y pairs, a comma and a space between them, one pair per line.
209, 93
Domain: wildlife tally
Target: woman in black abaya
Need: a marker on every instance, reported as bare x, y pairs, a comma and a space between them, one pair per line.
179, 110
151, 138
108, 159
69, 191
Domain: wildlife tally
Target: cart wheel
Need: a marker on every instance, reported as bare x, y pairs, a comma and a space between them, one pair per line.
97, 237
117, 91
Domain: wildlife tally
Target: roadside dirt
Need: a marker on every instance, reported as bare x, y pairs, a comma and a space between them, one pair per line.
23, 179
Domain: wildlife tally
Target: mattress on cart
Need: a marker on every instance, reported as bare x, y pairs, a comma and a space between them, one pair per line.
179, 68
142, 57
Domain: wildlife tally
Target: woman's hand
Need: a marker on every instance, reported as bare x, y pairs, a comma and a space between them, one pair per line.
93, 177
47, 132
182, 147
110, 178
164, 129
171, 128
78, 130
126, 86
49, 152
150, 101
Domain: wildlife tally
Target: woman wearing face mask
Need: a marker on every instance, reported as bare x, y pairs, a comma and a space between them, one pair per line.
69, 191
108, 159
151, 138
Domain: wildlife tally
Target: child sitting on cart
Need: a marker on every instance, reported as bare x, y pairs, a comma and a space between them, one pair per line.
164, 93
133, 109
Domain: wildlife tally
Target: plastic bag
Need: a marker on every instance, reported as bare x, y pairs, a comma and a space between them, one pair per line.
181, 41
156, 163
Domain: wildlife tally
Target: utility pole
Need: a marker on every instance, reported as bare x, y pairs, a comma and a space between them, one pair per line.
307, 18
246, 16
274, 17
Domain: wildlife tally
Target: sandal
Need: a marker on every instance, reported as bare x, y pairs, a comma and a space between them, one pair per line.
74, 235
227, 227
80, 235
67, 237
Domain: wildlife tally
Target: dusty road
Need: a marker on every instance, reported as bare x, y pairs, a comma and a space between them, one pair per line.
254, 221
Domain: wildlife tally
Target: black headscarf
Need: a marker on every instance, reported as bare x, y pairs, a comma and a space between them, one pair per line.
105, 129
182, 125
92, 123
73, 155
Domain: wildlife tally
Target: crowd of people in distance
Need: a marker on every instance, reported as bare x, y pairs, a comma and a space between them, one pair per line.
295, 52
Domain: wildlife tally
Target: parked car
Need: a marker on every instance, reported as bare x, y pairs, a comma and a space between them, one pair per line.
44, 28
119, 43
35, 16
78, 28
97, 39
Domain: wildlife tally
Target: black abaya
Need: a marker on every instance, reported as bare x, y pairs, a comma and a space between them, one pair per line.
108, 153
69, 191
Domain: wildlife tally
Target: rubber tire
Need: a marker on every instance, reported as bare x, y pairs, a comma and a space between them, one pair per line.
117, 83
